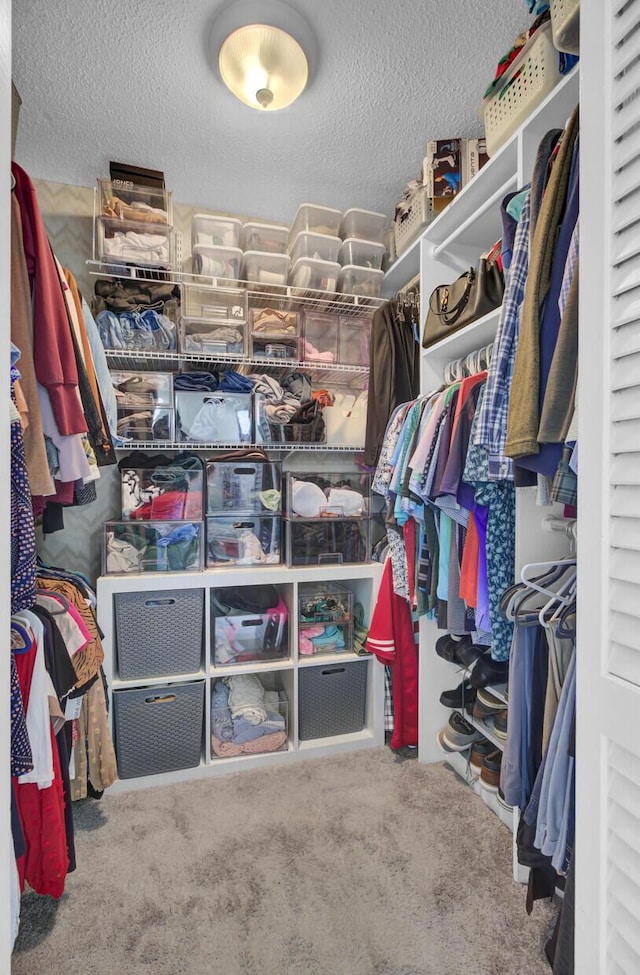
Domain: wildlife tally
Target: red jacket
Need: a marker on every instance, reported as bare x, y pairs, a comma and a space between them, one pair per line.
53, 354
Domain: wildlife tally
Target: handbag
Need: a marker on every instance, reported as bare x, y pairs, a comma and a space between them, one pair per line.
474, 294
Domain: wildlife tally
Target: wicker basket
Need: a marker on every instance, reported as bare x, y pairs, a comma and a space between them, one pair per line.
332, 700
565, 25
418, 217
533, 74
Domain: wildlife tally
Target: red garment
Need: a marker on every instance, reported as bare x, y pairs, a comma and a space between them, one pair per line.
470, 564
170, 506
45, 864
409, 536
392, 639
53, 353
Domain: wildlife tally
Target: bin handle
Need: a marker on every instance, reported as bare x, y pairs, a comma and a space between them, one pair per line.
164, 601
160, 699
334, 670
255, 622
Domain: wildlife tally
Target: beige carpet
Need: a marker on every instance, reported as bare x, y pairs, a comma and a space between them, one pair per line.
358, 865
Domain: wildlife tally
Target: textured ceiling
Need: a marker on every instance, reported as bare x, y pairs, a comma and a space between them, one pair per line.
131, 80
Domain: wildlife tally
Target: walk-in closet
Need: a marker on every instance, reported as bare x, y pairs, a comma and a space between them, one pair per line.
322, 487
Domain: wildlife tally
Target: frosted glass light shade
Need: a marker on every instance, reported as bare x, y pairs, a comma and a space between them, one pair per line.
263, 66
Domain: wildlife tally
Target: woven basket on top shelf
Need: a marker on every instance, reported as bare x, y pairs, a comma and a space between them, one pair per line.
419, 215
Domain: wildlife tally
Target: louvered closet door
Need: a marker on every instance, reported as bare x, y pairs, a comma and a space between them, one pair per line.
608, 765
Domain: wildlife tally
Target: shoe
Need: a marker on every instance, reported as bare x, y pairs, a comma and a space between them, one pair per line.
468, 654
458, 734
479, 751
461, 697
490, 771
490, 701
442, 743
449, 646
503, 802
487, 671
482, 710
500, 724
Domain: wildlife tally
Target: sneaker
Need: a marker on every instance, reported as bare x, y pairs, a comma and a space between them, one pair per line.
479, 751
442, 744
458, 734
461, 697
448, 647
490, 771
482, 710
490, 700
468, 655
500, 724
488, 671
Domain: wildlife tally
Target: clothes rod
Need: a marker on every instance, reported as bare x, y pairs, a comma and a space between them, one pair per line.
489, 204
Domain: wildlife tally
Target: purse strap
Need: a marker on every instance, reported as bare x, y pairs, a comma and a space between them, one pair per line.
451, 315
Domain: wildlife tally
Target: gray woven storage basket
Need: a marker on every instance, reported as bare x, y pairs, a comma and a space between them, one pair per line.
159, 633
331, 699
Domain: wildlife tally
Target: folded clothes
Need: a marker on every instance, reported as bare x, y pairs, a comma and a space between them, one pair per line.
331, 638
205, 381
132, 246
137, 212
310, 352
274, 322
221, 340
148, 330
298, 385
246, 698
305, 646
267, 743
234, 382
221, 722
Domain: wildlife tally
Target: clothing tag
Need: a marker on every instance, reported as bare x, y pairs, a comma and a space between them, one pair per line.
72, 708
72, 764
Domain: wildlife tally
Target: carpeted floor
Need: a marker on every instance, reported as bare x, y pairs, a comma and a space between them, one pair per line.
357, 865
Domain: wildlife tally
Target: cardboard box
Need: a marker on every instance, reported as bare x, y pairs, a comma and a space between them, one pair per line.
474, 158
443, 167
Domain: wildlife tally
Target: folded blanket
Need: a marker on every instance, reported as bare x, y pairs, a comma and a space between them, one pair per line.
225, 749
268, 743
246, 698
221, 723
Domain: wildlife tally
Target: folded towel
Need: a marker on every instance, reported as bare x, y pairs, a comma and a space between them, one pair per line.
246, 698
225, 749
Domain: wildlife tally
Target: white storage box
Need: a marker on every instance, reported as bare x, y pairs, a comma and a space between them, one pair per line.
215, 305
531, 76
217, 262
319, 246
312, 275
363, 281
364, 253
317, 219
268, 238
364, 224
215, 231
262, 268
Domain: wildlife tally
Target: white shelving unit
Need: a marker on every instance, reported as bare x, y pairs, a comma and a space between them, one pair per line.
452, 243
363, 580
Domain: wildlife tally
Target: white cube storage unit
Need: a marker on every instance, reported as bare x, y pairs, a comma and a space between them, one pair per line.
162, 723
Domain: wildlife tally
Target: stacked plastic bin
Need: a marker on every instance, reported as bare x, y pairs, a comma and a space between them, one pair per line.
133, 224
314, 246
328, 518
244, 512
362, 253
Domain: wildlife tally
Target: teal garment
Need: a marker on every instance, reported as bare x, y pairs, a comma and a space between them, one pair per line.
516, 203
444, 538
411, 425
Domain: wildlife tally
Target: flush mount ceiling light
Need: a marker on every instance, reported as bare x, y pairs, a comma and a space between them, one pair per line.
263, 51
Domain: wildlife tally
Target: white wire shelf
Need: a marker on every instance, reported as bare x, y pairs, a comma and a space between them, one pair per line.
234, 445
284, 297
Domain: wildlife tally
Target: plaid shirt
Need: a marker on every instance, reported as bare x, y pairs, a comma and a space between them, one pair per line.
569, 268
492, 423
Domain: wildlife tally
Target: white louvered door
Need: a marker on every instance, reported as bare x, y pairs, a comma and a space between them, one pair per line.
608, 763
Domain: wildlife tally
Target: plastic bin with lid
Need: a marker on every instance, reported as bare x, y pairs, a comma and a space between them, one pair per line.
265, 269
217, 262
363, 224
362, 281
322, 247
320, 337
316, 219
264, 237
217, 231
208, 304
308, 274
134, 204
364, 253
208, 338
146, 389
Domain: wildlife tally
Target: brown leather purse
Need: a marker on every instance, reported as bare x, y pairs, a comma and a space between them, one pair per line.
470, 297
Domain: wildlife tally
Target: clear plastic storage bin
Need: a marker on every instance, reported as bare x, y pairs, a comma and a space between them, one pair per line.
305, 426
364, 253
325, 619
208, 304
158, 729
152, 546
318, 246
169, 492
346, 419
268, 238
328, 495
315, 219
244, 540
131, 203
263, 728
215, 231
363, 224
274, 322
217, 262
275, 347
265, 269
308, 274
362, 281
214, 417
244, 637
148, 389
145, 424
118, 243
320, 337
243, 487
206, 338
355, 341
151, 637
